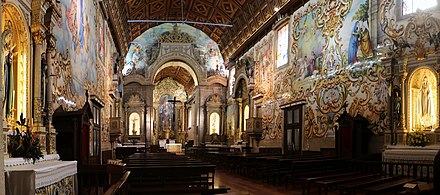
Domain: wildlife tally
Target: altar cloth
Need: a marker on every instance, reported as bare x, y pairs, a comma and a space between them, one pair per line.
25, 179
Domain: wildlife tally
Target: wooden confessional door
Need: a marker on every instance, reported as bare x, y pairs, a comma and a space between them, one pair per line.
293, 129
352, 138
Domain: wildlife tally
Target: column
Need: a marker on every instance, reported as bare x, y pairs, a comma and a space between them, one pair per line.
51, 137
126, 126
54, 14
240, 118
38, 129
2, 166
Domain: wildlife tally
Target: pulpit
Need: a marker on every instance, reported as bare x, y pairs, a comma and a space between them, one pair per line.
254, 131
73, 138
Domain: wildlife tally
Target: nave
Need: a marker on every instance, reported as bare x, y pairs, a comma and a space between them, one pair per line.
209, 172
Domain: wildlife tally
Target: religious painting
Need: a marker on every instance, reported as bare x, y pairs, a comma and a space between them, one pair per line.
166, 112
264, 66
307, 45
144, 49
134, 124
100, 44
75, 33
137, 60
214, 123
355, 33
423, 100
282, 45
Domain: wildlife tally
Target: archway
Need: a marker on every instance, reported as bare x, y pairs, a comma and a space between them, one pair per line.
174, 82
423, 100
16, 69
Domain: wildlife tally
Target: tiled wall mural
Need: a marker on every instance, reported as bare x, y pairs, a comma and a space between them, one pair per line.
144, 49
332, 68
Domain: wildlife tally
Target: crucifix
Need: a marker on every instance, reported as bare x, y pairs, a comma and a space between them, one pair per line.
174, 101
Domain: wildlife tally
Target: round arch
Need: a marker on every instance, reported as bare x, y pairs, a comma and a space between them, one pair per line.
423, 104
20, 77
190, 64
180, 64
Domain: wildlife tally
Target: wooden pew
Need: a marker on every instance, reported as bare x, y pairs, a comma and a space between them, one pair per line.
119, 187
170, 174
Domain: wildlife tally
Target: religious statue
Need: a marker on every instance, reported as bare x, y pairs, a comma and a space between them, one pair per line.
8, 81
425, 105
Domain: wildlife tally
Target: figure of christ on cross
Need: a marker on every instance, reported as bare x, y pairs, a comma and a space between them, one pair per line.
174, 101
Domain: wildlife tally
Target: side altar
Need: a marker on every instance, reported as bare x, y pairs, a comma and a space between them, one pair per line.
410, 154
46, 176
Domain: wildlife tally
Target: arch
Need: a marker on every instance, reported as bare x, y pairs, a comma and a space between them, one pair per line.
214, 123
14, 20
190, 64
180, 64
134, 127
246, 116
240, 88
423, 99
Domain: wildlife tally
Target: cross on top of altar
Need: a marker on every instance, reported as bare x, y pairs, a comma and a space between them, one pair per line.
174, 101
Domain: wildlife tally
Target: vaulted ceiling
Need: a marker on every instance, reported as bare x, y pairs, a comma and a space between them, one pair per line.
246, 16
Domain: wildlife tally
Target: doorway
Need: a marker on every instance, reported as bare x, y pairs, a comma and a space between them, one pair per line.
293, 129
353, 137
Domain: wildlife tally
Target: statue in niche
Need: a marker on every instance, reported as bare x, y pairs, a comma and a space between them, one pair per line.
425, 105
8, 81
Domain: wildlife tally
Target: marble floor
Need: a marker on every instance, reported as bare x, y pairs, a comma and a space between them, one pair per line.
244, 186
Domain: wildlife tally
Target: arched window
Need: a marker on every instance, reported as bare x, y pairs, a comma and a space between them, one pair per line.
134, 124
246, 116
214, 123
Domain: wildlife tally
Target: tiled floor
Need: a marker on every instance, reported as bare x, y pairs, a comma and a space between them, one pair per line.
244, 186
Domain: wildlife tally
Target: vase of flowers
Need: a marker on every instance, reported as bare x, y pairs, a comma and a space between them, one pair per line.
417, 138
22, 143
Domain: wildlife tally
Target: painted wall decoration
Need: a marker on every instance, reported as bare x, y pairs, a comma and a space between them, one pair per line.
76, 37
332, 69
144, 49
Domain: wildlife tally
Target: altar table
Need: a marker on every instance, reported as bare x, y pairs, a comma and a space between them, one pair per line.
47, 177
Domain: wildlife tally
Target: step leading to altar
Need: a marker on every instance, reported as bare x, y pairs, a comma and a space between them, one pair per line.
46, 176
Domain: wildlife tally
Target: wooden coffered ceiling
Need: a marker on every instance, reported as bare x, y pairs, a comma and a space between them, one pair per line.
177, 73
246, 16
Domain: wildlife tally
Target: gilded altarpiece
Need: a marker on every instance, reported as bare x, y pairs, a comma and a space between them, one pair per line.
166, 90
134, 119
410, 44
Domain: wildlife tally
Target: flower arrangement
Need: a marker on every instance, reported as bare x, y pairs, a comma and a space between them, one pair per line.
23, 144
417, 138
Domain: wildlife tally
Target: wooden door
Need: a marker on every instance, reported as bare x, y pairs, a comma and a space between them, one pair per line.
293, 129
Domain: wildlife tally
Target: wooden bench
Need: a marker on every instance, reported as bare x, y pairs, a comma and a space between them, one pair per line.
170, 174
120, 187
389, 186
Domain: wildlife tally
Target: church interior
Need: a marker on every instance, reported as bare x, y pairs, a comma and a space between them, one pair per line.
273, 96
